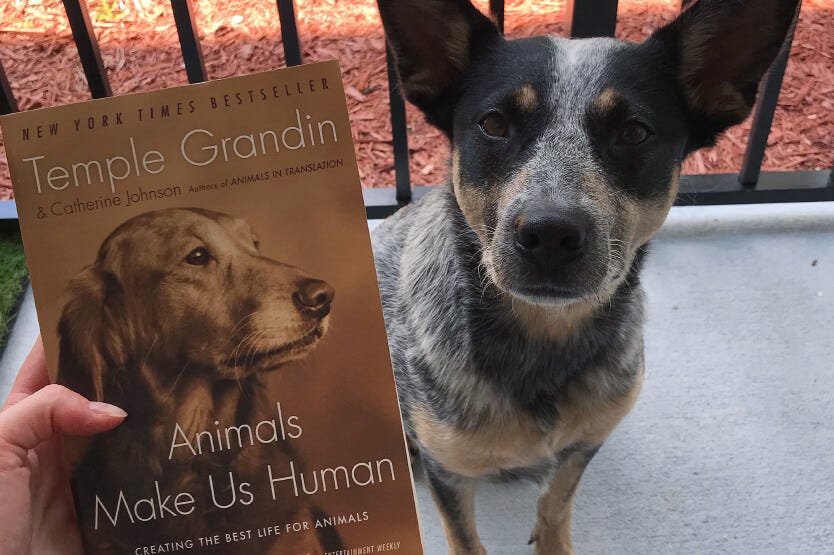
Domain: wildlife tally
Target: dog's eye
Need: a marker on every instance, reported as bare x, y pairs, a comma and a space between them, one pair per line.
633, 133
495, 125
198, 257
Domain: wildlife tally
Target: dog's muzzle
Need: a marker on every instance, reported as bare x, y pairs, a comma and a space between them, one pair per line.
549, 253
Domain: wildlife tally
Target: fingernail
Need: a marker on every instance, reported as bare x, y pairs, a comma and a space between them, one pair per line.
107, 409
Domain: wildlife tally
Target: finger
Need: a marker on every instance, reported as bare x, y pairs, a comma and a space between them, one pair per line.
52, 410
32, 375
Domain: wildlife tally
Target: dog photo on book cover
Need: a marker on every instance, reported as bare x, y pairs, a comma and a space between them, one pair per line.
178, 320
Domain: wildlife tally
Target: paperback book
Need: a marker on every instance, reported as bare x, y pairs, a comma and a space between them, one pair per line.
200, 257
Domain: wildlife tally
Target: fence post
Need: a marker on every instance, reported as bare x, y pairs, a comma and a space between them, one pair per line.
592, 18
399, 131
763, 114
496, 8
8, 104
289, 32
88, 51
192, 52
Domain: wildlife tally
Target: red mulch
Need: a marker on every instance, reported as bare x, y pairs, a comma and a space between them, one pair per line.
140, 49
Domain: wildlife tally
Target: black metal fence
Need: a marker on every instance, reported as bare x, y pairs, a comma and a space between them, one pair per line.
587, 18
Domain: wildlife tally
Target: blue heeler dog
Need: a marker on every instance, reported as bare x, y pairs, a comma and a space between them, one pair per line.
512, 295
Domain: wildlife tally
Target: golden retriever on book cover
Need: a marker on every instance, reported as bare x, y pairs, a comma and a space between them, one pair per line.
177, 321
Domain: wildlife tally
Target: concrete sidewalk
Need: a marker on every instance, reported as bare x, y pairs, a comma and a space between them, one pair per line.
730, 448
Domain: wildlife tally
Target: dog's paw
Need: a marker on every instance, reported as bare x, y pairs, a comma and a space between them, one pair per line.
477, 550
534, 535
548, 541
458, 549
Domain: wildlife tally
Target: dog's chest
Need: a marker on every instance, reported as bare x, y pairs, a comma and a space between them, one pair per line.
509, 439
498, 446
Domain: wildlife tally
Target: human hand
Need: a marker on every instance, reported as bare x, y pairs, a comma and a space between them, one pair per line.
37, 515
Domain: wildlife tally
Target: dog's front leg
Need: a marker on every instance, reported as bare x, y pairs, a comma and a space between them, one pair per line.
552, 531
454, 497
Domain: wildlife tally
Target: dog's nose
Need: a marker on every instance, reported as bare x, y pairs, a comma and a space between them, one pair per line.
555, 236
314, 295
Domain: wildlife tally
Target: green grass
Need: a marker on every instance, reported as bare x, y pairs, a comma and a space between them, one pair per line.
13, 276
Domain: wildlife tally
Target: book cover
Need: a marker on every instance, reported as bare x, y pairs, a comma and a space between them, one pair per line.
200, 257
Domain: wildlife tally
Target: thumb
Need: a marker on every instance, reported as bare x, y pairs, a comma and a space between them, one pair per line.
52, 410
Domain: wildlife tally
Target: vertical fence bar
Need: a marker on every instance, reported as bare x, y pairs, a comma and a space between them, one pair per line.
192, 52
289, 32
763, 115
85, 41
399, 131
8, 104
496, 8
592, 18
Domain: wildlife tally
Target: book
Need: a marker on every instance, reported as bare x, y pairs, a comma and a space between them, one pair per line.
200, 257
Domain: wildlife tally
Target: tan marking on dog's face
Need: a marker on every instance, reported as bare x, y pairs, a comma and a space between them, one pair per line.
470, 200
513, 188
632, 223
503, 198
606, 101
526, 98
600, 192
650, 214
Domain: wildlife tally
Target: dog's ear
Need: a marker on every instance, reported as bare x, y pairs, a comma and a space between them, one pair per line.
722, 49
434, 42
91, 336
